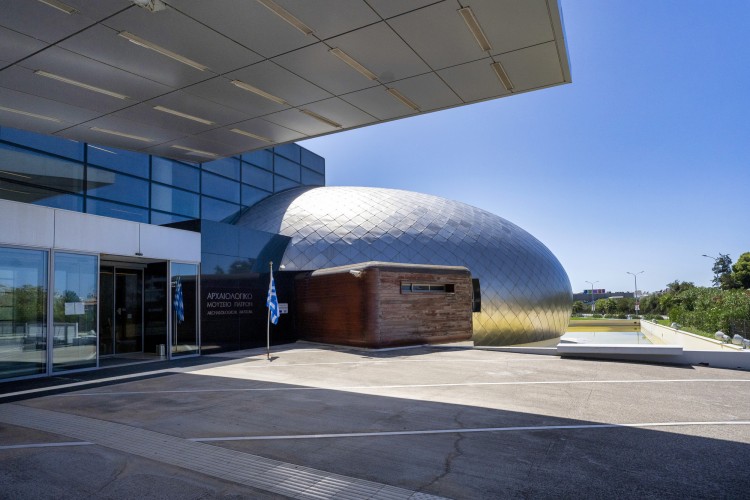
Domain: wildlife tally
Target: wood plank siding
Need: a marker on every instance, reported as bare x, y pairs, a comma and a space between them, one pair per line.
363, 305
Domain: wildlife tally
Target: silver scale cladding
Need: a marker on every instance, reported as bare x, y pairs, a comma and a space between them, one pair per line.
526, 294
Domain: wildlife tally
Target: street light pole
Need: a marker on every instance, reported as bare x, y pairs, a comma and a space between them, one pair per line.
635, 290
593, 302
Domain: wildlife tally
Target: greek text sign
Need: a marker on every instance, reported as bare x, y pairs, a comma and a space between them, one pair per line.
227, 302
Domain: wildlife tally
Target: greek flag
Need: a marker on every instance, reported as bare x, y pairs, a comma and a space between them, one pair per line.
179, 307
272, 302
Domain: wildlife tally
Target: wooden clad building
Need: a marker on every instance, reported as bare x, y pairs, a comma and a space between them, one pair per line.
383, 304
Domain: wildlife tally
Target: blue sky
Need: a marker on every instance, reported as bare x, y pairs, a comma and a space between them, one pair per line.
642, 163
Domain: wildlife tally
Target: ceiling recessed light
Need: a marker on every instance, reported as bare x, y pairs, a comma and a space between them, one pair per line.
62, 7
161, 50
102, 149
250, 134
14, 191
195, 152
321, 118
286, 16
503, 76
14, 174
184, 115
405, 100
80, 84
476, 30
262, 93
121, 134
353, 63
26, 113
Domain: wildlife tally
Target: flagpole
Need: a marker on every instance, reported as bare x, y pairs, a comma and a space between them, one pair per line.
268, 322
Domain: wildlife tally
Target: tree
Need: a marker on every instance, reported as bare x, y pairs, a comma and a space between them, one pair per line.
650, 304
607, 306
625, 305
723, 272
578, 307
678, 286
741, 270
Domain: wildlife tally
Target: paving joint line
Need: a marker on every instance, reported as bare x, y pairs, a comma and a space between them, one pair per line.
243, 468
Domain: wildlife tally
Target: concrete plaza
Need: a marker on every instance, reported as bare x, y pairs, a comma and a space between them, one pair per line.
322, 422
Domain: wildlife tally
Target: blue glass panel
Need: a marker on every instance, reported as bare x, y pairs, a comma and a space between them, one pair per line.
218, 210
39, 196
257, 177
116, 210
291, 151
287, 168
160, 218
282, 184
48, 143
313, 161
65, 201
22, 165
128, 162
218, 238
310, 178
175, 200
217, 264
251, 195
219, 187
175, 173
228, 167
117, 187
262, 158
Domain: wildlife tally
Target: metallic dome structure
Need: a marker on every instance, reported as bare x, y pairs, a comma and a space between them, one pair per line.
525, 293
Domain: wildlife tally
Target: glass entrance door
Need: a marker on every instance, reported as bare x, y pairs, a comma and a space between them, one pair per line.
121, 314
128, 310
106, 310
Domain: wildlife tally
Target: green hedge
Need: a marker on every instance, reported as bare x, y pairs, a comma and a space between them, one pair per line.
710, 309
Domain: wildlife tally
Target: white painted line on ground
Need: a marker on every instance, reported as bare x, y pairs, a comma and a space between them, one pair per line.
284, 479
44, 445
403, 386
462, 431
85, 383
389, 361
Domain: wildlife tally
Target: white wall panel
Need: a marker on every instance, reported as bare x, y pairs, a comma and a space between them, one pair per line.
23, 224
170, 244
92, 233
26, 225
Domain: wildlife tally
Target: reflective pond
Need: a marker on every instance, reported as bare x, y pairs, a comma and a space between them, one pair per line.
604, 338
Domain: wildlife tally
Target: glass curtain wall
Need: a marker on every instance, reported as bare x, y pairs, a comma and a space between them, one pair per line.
75, 311
60, 173
23, 312
185, 339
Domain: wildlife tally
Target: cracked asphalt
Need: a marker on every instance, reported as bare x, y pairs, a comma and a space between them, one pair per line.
454, 422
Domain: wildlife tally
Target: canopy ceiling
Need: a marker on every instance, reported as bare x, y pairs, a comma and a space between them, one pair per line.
198, 79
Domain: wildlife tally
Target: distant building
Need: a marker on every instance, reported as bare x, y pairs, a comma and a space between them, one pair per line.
586, 295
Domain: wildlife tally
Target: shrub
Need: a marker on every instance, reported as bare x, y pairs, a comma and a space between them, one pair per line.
710, 309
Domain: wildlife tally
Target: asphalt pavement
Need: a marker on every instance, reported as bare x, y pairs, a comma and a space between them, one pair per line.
329, 422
